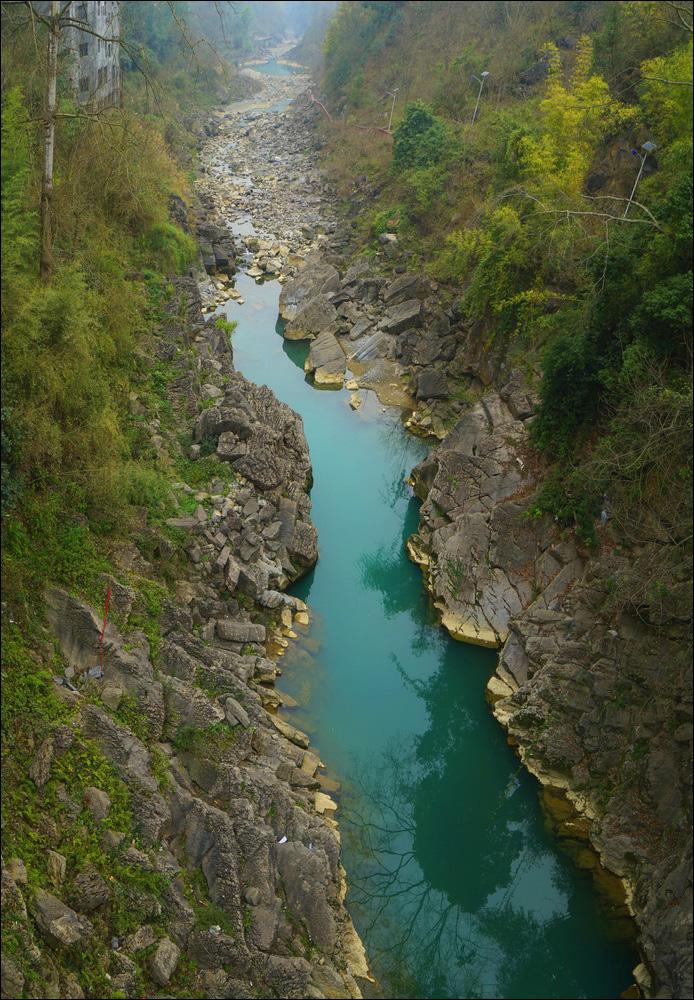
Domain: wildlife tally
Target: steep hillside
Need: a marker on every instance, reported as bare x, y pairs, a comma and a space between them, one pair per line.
164, 831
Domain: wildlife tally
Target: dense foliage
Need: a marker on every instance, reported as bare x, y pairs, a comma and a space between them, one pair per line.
78, 466
525, 213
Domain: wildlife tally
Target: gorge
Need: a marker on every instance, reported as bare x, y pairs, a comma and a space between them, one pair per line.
346, 489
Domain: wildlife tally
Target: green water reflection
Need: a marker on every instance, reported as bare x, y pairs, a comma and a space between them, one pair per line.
456, 888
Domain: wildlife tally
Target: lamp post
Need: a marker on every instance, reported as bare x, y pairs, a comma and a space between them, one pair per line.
647, 148
481, 80
393, 94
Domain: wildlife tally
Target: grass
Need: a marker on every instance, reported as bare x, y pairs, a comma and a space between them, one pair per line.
131, 715
210, 742
200, 473
207, 913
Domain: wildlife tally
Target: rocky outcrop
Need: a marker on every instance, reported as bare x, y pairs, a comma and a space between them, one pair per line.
599, 705
596, 699
483, 554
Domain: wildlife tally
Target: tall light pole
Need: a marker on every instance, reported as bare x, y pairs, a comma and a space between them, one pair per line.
647, 147
393, 94
481, 80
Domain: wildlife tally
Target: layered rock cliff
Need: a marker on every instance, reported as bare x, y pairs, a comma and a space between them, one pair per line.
595, 696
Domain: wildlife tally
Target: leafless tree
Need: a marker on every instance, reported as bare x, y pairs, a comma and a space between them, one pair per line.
55, 22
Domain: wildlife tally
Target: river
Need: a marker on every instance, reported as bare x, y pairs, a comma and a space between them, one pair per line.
455, 885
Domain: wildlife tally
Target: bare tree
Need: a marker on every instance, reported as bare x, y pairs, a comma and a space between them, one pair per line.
56, 23
46, 262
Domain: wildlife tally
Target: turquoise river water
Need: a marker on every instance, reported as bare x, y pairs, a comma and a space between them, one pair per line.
455, 886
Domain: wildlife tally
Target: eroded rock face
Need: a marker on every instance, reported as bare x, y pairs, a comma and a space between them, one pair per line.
220, 788
598, 701
615, 702
482, 555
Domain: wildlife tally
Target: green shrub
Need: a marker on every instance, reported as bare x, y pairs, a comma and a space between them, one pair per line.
569, 391
169, 248
422, 139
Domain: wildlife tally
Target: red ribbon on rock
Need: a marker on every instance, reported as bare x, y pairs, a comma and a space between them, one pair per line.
103, 630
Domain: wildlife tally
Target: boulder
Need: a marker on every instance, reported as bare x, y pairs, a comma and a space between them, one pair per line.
432, 384
235, 714
311, 319
403, 288
89, 891
403, 316
97, 802
140, 939
17, 871
163, 962
315, 278
361, 327
61, 926
56, 865
326, 360
231, 631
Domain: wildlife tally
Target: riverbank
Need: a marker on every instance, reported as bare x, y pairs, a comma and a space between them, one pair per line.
243, 201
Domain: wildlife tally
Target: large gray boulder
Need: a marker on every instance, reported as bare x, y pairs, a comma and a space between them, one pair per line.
403, 316
232, 631
163, 962
326, 360
405, 287
311, 319
315, 278
432, 384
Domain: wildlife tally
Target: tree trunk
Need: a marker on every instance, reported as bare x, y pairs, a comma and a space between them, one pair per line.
46, 266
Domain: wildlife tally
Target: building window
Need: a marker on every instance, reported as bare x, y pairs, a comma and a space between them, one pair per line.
84, 84
102, 76
84, 48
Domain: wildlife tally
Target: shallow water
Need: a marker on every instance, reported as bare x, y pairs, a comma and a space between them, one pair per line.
455, 886
275, 68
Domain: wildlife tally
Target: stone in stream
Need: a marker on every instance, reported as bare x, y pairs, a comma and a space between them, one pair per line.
315, 278
326, 360
311, 319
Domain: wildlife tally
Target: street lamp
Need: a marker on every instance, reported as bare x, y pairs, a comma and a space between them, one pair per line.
392, 93
481, 80
647, 147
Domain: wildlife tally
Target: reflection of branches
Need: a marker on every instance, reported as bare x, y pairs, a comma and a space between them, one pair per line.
417, 897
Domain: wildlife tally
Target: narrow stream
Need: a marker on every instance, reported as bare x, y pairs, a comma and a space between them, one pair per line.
455, 886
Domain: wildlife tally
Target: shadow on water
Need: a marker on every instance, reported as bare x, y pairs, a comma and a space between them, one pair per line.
455, 885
